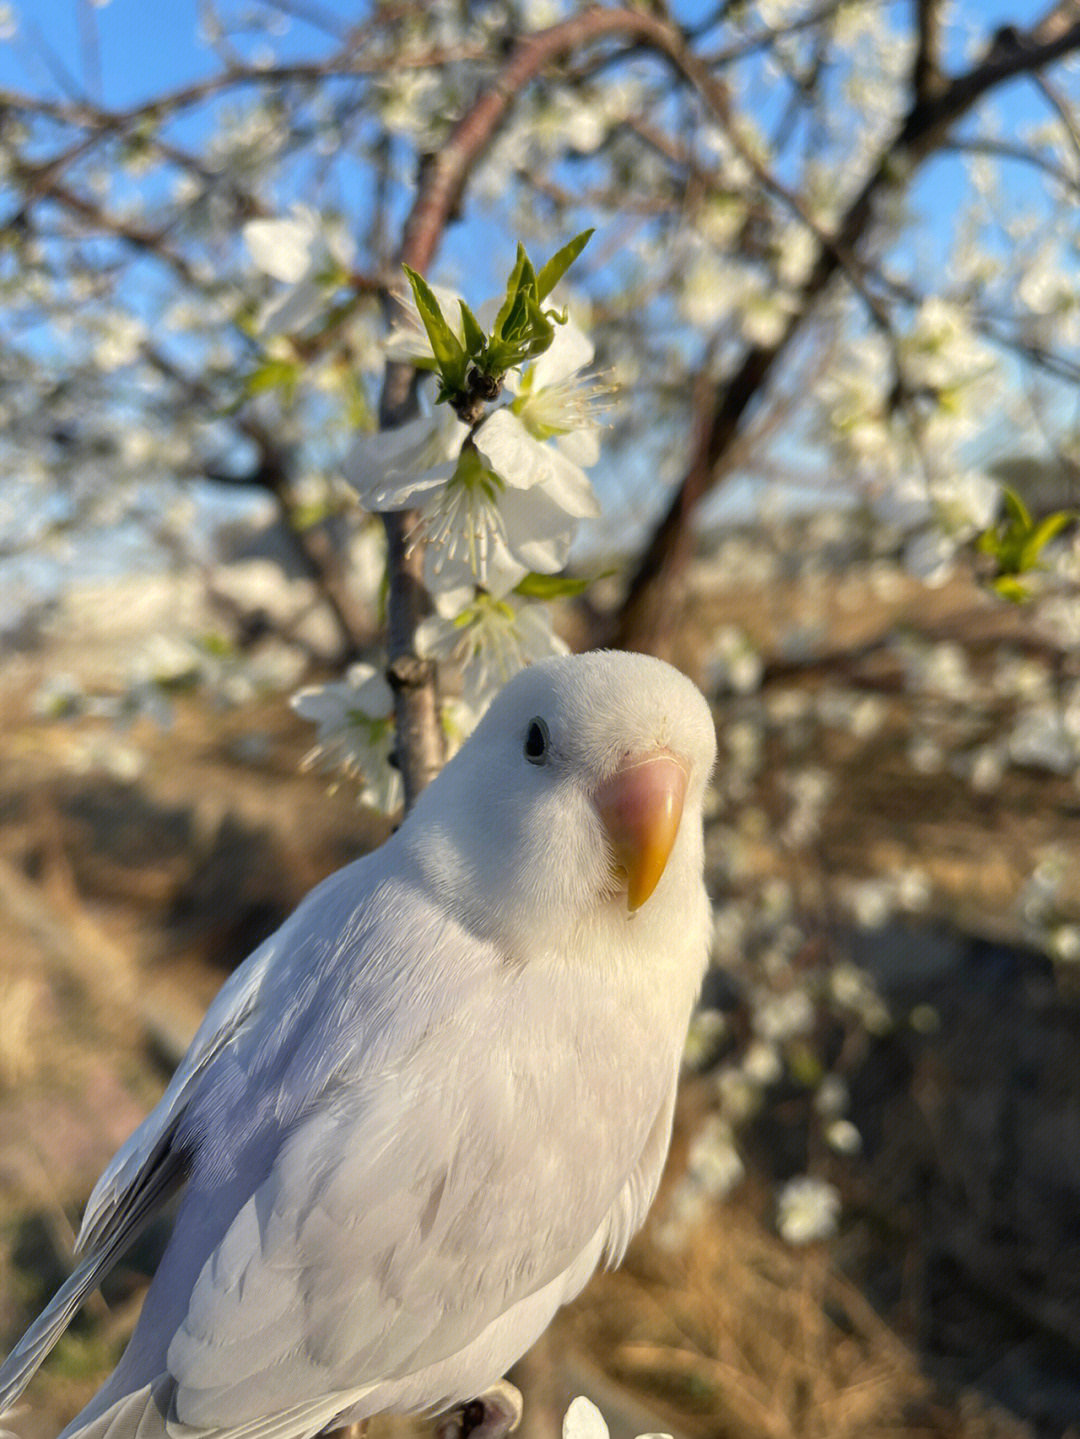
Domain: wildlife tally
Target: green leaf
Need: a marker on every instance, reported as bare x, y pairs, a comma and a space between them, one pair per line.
1047, 530
1010, 588
517, 321
1016, 543
513, 285
559, 263
528, 333
1018, 512
220, 646
273, 375
475, 339
449, 355
538, 331
307, 516
549, 587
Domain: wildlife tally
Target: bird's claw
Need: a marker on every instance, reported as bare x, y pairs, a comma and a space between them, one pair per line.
491, 1415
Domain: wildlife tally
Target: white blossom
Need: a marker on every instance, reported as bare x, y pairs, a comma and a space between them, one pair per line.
541, 442
832, 1097
807, 1210
400, 468
1040, 739
940, 350
913, 888
1059, 619
870, 901
843, 1136
489, 640
304, 251
509, 501
489, 528
556, 397
355, 732
708, 288
784, 1016
58, 697
765, 311
584, 1421
987, 768
1065, 943
1021, 677
925, 754
965, 501
810, 791
853, 989
931, 557
762, 1064
733, 664
740, 1095
1039, 899
713, 1162
120, 341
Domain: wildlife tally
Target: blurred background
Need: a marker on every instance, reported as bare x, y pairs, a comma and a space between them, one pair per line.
835, 300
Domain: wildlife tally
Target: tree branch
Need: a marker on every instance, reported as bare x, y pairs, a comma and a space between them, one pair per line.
926, 78
645, 612
441, 189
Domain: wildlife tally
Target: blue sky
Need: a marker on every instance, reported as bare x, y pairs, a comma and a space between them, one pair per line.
127, 51
143, 45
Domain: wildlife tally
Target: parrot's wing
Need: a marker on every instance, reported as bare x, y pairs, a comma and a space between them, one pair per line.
148, 1161
143, 1175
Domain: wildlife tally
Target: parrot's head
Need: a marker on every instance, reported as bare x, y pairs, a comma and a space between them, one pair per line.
578, 796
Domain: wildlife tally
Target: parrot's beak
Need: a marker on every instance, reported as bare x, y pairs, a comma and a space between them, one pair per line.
641, 805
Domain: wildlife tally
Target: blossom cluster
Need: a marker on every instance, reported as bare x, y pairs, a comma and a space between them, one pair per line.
498, 488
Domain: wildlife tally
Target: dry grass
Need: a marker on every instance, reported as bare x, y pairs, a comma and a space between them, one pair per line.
740, 1336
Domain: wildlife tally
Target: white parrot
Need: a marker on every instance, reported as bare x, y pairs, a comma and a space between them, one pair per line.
417, 1118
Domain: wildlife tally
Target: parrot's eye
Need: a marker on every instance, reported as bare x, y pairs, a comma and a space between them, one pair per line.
536, 742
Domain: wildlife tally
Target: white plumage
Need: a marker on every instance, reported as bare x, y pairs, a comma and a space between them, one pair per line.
418, 1116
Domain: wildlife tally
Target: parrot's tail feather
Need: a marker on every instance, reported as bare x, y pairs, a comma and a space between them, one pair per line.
142, 1414
28, 1355
150, 1413
25, 1359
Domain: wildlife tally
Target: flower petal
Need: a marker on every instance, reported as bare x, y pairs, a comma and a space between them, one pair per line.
292, 310
393, 469
582, 446
571, 350
446, 574
371, 694
523, 462
450, 602
510, 450
284, 248
583, 1421
568, 485
538, 530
